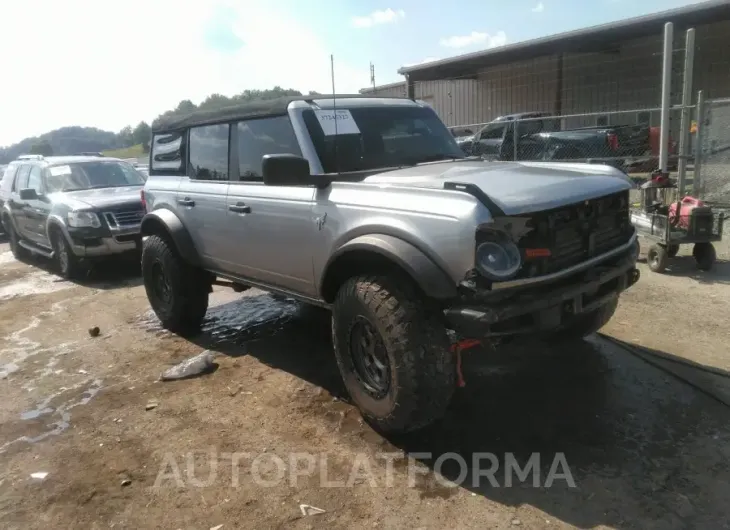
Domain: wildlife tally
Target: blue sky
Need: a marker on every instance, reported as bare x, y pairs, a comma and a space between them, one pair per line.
147, 55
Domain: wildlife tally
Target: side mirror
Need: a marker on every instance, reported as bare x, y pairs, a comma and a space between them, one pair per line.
28, 194
286, 170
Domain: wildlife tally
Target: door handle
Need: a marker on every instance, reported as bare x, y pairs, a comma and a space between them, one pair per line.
240, 208
187, 201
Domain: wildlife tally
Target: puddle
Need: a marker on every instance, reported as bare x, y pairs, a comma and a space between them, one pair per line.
20, 347
38, 282
62, 412
245, 319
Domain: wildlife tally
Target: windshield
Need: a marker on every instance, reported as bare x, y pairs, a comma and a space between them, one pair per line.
381, 137
89, 175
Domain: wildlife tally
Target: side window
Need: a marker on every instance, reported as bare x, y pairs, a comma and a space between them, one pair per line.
21, 179
529, 127
35, 178
209, 152
265, 136
492, 133
8, 178
168, 152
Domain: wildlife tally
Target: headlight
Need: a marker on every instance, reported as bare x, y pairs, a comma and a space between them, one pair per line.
83, 220
498, 260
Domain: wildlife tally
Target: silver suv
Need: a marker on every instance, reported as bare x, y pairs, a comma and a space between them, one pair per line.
367, 207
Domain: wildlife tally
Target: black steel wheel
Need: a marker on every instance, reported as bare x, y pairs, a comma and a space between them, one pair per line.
393, 352
657, 258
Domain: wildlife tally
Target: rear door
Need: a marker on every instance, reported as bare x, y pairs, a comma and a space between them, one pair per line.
201, 197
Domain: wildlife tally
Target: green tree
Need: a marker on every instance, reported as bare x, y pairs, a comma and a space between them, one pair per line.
41, 147
141, 134
126, 137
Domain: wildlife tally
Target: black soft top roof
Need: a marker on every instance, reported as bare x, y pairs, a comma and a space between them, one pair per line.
239, 111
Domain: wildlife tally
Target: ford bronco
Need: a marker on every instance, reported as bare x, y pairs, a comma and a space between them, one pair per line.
368, 208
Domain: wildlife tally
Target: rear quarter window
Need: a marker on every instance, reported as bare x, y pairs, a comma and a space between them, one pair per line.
168, 153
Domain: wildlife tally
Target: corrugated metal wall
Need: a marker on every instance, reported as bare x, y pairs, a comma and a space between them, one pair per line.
393, 90
625, 78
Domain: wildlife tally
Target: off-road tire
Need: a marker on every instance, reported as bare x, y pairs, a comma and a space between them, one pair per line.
421, 367
19, 253
657, 257
68, 265
672, 251
187, 288
705, 255
585, 325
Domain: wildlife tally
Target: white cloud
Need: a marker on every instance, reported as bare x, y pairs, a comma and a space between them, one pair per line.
485, 40
93, 64
539, 8
385, 16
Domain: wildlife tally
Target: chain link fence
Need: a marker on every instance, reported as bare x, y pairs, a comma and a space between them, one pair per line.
715, 153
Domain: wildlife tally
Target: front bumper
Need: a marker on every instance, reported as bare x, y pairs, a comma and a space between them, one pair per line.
543, 308
86, 244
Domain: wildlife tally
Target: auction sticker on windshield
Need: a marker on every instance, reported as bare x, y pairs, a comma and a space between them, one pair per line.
337, 122
60, 170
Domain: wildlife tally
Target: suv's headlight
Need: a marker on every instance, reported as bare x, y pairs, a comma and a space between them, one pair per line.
498, 260
83, 220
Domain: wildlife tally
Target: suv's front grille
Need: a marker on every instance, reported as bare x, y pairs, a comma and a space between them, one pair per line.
124, 217
574, 234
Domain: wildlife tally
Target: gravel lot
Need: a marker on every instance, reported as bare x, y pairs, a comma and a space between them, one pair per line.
645, 448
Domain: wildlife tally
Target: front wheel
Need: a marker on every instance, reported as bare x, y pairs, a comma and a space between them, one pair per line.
393, 353
68, 265
177, 292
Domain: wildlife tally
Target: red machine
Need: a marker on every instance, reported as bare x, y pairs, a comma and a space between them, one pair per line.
687, 205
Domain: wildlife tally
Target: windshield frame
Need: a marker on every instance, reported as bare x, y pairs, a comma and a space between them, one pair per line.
126, 169
452, 151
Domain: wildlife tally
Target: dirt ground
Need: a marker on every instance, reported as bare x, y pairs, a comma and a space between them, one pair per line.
645, 449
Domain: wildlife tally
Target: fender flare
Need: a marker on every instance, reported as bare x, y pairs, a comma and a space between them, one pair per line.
165, 221
432, 280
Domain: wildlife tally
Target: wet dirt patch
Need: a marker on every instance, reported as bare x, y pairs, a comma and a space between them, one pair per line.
34, 283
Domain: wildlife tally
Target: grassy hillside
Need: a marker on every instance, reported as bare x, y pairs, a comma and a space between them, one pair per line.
136, 151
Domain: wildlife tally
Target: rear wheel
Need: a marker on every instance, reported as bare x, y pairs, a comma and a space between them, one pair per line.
393, 353
19, 252
178, 293
705, 255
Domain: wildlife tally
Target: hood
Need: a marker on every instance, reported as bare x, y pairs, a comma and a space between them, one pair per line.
516, 187
100, 198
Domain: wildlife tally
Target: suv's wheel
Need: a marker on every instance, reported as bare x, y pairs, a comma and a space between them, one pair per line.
69, 266
393, 353
177, 292
19, 252
587, 324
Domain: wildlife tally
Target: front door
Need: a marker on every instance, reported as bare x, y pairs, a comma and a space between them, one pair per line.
201, 197
270, 229
37, 211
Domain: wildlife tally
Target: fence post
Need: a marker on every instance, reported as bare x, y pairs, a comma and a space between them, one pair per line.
700, 118
689, 56
666, 93
515, 137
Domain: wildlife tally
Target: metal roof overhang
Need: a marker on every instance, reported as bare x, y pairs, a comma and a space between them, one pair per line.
587, 40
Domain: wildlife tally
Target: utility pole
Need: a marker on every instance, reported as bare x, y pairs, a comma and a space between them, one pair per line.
372, 75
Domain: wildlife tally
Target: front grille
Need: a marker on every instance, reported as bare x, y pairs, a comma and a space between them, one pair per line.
124, 217
575, 233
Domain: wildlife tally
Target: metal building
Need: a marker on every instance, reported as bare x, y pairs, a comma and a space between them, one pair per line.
602, 69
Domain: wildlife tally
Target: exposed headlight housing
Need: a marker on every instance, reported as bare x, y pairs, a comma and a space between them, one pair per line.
498, 260
82, 219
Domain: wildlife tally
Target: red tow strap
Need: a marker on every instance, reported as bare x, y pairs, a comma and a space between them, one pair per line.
457, 348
